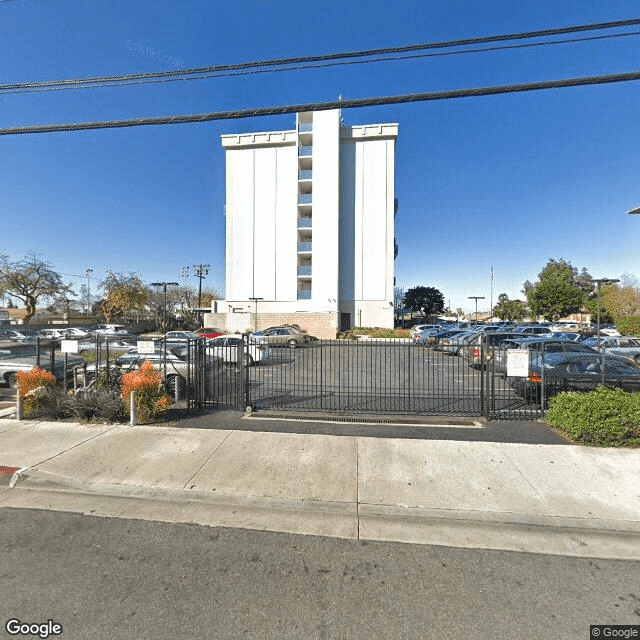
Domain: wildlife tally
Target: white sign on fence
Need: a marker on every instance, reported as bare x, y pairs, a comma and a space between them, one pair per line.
145, 346
517, 362
69, 346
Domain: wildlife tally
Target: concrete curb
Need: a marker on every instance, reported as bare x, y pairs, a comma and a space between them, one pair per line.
599, 538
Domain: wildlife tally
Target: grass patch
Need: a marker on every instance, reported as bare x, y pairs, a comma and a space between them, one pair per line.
373, 332
604, 417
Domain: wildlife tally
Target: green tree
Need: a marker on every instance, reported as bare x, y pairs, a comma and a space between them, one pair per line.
559, 291
620, 303
426, 300
124, 295
29, 280
509, 309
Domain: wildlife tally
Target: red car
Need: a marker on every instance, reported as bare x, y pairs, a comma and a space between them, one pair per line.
209, 332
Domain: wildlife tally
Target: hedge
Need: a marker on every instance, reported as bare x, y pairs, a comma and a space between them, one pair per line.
604, 417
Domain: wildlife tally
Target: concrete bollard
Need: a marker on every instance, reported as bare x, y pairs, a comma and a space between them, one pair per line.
18, 405
133, 412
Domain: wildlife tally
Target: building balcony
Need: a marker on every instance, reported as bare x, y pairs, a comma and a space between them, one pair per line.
305, 151
305, 163
304, 270
305, 174
304, 247
305, 223
304, 198
304, 294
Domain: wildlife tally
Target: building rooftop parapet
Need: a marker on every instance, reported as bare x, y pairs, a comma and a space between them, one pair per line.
262, 138
364, 131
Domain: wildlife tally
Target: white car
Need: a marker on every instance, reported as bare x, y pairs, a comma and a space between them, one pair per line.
74, 333
50, 334
419, 328
109, 329
226, 347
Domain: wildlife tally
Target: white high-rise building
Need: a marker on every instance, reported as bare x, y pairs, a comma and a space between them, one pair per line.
310, 225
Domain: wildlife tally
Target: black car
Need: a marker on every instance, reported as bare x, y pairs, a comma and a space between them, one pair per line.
558, 372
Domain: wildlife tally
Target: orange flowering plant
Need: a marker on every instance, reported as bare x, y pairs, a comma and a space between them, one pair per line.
150, 399
28, 382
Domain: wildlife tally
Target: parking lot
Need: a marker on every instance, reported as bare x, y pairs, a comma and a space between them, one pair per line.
372, 377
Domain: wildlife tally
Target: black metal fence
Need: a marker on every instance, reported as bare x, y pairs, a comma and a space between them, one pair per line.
347, 377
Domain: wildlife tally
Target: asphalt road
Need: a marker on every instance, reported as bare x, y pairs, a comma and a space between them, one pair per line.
105, 578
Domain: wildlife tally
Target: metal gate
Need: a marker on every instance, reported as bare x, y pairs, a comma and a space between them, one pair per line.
391, 377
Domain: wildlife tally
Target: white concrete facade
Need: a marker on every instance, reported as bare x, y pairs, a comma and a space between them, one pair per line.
310, 221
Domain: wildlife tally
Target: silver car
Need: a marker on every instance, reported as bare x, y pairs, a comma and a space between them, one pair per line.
618, 346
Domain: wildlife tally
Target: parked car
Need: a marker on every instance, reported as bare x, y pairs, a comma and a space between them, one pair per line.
181, 335
532, 328
537, 344
178, 371
415, 330
18, 335
50, 334
435, 339
617, 345
108, 329
575, 372
493, 340
209, 332
226, 347
456, 344
75, 333
422, 337
283, 337
10, 365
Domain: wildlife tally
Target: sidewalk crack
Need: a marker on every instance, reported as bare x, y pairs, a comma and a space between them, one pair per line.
546, 504
213, 453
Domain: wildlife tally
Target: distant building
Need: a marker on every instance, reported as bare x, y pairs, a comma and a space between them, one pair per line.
310, 226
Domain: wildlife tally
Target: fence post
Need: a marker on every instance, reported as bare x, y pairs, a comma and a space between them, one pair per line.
18, 405
133, 414
244, 362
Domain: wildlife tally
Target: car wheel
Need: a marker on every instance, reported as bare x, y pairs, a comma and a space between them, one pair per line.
637, 359
176, 387
292, 343
459, 351
13, 380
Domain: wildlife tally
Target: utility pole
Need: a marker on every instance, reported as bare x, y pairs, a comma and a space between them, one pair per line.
201, 271
88, 272
491, 305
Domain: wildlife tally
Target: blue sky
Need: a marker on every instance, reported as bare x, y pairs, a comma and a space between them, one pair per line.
508, 181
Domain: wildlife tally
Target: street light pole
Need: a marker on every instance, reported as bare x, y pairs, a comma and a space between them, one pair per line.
164, 286
476, 298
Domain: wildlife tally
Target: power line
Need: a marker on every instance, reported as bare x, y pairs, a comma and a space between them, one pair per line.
181, 74
207, 76
323, 106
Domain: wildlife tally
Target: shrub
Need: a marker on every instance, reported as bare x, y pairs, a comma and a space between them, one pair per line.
628, 325
151, 399
30, 380
32, 386
606, 417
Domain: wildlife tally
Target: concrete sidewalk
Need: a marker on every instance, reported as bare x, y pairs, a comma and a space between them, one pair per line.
568, 500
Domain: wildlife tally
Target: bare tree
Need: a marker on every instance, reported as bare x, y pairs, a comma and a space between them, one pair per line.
31, 279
